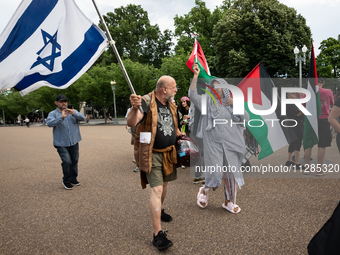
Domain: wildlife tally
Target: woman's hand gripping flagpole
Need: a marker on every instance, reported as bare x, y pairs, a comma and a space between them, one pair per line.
194, 79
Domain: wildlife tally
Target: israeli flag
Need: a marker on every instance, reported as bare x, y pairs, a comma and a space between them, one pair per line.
47, 43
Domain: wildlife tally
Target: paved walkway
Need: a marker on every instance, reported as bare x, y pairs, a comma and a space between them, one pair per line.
108, 213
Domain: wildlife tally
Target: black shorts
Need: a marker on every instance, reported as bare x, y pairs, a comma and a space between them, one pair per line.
296, 145
325, 136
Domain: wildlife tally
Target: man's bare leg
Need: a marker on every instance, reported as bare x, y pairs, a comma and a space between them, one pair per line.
290, 156
165, 190
321, 155
155, 208
297, 157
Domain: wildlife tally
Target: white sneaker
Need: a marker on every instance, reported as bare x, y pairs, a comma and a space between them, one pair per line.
136, 169
183, 167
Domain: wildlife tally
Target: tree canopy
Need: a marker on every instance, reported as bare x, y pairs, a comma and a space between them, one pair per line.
136, 39
235, 37
253, 31
328, 61
199, 20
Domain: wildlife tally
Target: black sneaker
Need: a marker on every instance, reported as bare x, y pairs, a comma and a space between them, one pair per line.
289, 163
68, 185
165, 217
161, 241
75, 183
299, 167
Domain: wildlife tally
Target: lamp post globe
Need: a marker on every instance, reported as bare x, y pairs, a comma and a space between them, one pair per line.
304, 49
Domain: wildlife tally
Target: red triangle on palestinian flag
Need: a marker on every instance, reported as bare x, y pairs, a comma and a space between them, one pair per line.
270, 137
252, 80
197, 51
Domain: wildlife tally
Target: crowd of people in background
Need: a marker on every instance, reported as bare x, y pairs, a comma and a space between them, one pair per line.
324, 129
27, 121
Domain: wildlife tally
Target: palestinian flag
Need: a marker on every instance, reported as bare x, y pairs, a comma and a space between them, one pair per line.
310, 131
271, 136
197, 55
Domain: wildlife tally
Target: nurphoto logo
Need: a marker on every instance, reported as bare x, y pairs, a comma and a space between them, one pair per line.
238, 96
238, 105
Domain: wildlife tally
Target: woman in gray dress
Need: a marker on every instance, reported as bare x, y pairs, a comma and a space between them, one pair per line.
224, 144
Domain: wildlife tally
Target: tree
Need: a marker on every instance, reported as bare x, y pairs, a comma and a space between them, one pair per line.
96, 87
199, 20
14, 104
96, 84
142, 76
136, 39
74, 93
252, 31
41, 99
328, 61
44, 98
9, 115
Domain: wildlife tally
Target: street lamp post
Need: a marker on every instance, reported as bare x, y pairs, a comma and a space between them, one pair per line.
113, 86
300, 59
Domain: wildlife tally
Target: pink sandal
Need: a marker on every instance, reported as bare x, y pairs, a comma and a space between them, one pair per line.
230, 207
202, 198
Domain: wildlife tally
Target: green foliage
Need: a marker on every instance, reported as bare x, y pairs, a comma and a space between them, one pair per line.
252, 31
235, 60
199, 20
13, 104
43, 98
328, 61
96, 89
136, 39
142, 76
95, 85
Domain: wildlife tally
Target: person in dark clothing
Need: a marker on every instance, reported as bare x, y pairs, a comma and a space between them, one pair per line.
334, 118
294, 147
66, 136
184, 110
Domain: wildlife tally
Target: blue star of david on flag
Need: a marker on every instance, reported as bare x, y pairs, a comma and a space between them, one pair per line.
48, 61
37, 31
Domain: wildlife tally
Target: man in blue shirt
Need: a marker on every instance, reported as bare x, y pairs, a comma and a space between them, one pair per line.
66, 135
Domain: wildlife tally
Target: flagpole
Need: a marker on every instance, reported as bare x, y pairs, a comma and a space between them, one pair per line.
112, 43
195, 36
